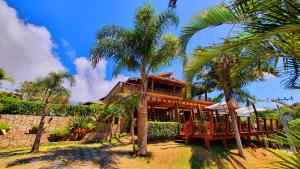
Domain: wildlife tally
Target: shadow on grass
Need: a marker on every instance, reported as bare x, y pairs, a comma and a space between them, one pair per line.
286, 162
13, 153
59, 157
201, 158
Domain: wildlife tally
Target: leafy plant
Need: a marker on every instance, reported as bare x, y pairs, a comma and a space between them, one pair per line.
4, 127
295, 125
61, 131
162, 130
81, 122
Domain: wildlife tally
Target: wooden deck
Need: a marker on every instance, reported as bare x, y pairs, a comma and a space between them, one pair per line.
220, 128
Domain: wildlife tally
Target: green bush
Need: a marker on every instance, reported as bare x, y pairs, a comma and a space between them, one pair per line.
162, 130
295, 125
61, 132
81, 122
16, 106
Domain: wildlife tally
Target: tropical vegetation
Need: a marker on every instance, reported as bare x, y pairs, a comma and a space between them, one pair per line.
143, 49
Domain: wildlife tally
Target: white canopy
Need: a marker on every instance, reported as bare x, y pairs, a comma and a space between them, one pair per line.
222, 106
245, 111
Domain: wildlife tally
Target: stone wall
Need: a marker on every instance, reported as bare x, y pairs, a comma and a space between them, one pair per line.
18, 135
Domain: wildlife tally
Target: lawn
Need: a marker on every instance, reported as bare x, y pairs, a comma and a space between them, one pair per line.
163, 155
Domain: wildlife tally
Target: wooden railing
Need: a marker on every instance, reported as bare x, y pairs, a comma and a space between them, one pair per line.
223, 126
137, 87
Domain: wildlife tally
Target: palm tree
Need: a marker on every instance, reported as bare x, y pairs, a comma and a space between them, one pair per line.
218, 74
3, 76
143, 49
272, 26
50, 85
110, 113
130, 104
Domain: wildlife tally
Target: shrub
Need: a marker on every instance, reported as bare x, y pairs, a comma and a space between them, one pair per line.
81, 122
59, 134
162, 130
61, 131
295, 125
4, 127
17, 106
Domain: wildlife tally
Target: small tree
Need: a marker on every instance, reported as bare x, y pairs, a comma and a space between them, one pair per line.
110, 112
3, 76
50, 85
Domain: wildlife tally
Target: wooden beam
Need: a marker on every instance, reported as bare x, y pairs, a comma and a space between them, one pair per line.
226, 123
265, 124
176, 112
211, 123
249, 124
277, 124
257, 124
271, 122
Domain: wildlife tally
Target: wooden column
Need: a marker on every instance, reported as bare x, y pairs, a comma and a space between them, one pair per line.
265, 124
277, 124
176, 112
211, 123
227, 123
271, 122
217, 115
238, 118
249, 124
257, 124
152, 85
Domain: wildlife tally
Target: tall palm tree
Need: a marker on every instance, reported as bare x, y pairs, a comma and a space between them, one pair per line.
270, 25
217, 74
50, 85
143, 49
3, 76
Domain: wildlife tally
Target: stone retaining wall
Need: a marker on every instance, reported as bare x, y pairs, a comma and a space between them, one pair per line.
18, 135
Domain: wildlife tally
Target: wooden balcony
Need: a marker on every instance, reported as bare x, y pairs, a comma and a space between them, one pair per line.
136, 88
220, 128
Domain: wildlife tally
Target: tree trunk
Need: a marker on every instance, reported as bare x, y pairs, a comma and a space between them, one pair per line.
286, 130
37, 140
143, 116
229, 102
132, 128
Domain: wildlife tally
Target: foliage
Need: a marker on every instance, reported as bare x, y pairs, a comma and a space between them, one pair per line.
270, 32
162, 130
295, 125
81, 122
3, 76
61, 131
4, 126
292, 139
16, 106
270, 113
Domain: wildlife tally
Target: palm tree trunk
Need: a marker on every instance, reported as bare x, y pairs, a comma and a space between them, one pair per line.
229, 102
143, 116
37, 140
132, 128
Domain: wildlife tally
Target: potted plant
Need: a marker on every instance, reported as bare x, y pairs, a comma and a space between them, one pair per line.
4, 127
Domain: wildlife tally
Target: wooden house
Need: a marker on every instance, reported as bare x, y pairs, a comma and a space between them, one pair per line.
196, 119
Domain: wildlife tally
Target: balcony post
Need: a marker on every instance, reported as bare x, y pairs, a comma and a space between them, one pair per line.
265, 124
271, 122
257, 124
249, 124
239, 123
211, 122
226, 123
277, 124
176, 112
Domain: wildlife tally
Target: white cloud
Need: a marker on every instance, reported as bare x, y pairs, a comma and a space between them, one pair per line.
91, 84
26, 50
69, 49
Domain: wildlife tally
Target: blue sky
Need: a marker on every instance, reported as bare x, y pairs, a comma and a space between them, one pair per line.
73, 25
